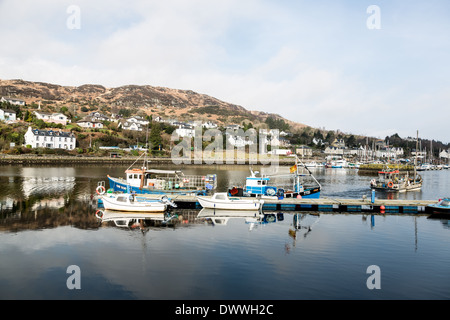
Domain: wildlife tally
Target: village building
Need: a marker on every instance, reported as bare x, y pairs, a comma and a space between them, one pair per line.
304, 151
53, 139
185, 130
134, 126
14, 101
90, 123
97, 116
7, 115
52, 117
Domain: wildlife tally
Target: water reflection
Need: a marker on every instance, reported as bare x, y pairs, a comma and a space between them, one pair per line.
252, 218
39, 181
44, 213
141, 221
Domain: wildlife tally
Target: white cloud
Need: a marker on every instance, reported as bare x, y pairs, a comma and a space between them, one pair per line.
316, 64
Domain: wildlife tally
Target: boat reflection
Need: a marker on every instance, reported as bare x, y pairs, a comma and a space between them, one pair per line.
137, 220
251, 217
302, 224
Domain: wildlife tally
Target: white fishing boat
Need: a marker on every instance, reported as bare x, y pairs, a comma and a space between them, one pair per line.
222, 201
132, 203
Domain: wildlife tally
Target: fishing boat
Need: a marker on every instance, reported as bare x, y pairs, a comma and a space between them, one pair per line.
221, 200
335, 162
396, 181
170, 182
440, 207
299, 183
132, 203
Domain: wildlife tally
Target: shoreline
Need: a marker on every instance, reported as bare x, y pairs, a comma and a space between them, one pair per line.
96, 160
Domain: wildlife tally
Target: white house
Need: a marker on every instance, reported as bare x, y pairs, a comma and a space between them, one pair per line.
125, 125
14, 101
138, 119
445, 154
389, 152
97, 116
331, 150
134, 123
52, 117
185, 131
7, 115
209, 125
50, 139
90, 123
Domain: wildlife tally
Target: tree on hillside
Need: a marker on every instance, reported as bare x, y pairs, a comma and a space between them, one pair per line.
155, 136
277, 124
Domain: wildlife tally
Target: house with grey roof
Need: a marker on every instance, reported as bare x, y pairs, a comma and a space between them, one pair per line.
14, 101
53, 139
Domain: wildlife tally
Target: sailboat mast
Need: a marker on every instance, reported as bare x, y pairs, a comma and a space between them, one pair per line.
415, 158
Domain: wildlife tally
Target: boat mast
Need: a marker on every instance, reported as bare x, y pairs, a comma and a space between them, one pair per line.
415, 158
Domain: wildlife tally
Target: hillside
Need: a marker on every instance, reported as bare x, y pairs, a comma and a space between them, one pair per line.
184, 105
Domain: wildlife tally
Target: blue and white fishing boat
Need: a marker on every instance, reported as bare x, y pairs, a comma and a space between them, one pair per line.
292, 185
170, 182
442, 206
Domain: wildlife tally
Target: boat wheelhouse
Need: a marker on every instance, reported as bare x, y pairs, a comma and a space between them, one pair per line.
154, 181
291, 185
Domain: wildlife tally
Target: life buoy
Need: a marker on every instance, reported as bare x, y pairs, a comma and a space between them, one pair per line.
100, 190
390, 184
99, 214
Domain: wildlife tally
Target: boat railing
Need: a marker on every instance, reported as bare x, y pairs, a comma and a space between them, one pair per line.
190, 182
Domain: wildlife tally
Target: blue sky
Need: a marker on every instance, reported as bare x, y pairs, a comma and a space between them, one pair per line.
314, 62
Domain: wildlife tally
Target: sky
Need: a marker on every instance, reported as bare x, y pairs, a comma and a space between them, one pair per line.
371, 68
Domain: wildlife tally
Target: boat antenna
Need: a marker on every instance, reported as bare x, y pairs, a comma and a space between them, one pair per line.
136, 160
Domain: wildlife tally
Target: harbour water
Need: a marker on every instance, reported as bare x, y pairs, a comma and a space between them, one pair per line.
48, 223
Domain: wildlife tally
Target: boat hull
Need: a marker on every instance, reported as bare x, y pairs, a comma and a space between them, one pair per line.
435, 209
110, 203
230, 204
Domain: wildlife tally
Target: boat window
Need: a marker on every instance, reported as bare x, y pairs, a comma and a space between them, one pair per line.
130, 176
220, 197
140, 176
122, 199
135, 176
445, 203
259, 182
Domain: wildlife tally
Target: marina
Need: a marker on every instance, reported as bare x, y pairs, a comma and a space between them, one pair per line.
291, 249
